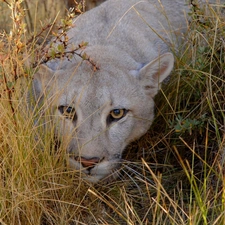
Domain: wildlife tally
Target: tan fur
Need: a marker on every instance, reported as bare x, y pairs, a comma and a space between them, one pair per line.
131, 42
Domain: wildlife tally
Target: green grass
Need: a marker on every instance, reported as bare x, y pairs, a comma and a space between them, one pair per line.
172, 175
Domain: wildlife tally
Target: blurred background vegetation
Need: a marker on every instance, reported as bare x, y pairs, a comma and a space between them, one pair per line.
41, 11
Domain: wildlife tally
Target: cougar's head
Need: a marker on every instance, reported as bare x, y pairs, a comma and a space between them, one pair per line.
96, 114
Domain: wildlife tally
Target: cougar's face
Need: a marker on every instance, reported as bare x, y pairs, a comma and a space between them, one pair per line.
98, 119
97, 114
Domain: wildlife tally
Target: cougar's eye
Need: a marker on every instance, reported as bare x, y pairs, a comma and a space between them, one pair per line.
68, 111
116, 114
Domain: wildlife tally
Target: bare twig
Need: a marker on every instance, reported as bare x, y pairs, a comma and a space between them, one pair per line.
6, 2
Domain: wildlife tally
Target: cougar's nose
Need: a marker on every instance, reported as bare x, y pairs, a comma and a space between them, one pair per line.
88, 162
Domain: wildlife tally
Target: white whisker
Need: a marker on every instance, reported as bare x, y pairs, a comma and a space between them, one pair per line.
136, 173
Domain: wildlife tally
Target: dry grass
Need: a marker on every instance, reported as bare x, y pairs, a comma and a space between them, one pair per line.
173, 175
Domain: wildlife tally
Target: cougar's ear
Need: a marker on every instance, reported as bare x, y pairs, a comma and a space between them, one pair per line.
40, 81
153, 74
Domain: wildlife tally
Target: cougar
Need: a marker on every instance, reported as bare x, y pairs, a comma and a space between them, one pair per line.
103, 101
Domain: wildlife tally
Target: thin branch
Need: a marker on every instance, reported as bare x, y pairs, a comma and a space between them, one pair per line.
6, 2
